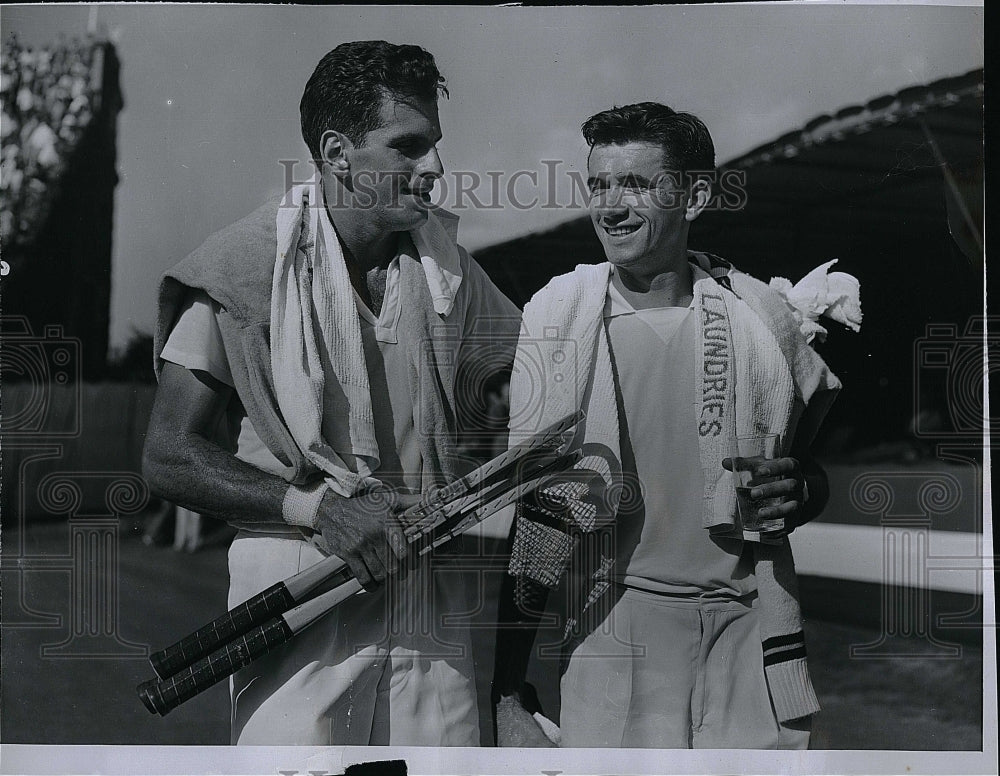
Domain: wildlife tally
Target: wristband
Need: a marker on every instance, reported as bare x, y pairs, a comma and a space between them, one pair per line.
301, 504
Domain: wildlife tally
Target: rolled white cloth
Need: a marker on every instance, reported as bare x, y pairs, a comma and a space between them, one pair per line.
837, 295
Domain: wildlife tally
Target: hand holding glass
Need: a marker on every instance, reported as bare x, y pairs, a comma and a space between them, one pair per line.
754, 452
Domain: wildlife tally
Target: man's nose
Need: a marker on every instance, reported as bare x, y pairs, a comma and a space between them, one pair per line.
430, 165
610, 203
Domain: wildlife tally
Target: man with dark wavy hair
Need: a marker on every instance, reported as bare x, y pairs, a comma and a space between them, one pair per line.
689, 632
306, 358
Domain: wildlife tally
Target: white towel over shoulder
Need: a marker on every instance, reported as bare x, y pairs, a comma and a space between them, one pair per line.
311, 280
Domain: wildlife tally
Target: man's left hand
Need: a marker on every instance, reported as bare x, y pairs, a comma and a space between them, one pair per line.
775, 478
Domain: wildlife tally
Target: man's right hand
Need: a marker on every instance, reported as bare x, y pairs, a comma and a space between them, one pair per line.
365, 532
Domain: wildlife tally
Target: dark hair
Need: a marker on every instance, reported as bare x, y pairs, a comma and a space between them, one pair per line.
687, 144
346, 88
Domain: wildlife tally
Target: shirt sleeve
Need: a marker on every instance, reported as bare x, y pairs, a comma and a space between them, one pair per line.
491, 324
195, 342
490, 312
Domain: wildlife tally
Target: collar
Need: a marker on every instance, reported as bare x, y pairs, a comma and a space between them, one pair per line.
437, 253
616, 304
434, 243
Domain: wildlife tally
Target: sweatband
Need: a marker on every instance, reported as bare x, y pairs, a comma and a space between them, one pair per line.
301, 504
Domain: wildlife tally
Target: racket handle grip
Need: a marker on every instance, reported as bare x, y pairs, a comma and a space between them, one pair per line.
237, 621
160, 696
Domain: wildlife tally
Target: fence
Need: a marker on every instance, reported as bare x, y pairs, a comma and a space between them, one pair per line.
82, 431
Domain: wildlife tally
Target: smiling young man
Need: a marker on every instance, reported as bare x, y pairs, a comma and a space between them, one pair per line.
690, 635
306, 358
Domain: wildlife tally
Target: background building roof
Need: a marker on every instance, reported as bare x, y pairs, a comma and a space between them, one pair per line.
892, 188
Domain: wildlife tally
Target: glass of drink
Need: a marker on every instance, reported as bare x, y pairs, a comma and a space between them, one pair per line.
753, 451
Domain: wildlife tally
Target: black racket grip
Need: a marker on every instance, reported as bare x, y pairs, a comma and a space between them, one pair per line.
162, 696
262, 607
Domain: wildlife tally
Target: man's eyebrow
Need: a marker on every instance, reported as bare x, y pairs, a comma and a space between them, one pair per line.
628, 178
413, 137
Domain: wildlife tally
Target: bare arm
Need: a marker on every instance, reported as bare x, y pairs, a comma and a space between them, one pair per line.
184, 465
517, 626
515, 701
813, 475
817, 485
522, 603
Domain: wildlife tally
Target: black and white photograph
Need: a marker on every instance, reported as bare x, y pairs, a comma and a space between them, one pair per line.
514, 389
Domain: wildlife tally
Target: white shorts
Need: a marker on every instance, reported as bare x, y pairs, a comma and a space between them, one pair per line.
673, 673
380, 669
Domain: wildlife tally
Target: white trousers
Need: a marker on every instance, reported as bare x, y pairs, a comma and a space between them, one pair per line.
673, 673
383, 668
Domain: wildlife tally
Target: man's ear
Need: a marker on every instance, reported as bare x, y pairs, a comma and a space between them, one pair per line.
334, 149
698, 198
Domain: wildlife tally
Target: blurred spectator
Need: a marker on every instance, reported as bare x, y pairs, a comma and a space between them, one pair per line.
193, 532
184, 530
46, 103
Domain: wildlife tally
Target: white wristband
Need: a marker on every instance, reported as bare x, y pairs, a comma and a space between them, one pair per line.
301, 504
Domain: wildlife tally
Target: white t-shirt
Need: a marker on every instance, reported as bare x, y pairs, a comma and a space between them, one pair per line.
488, 317
196, 343
660, 543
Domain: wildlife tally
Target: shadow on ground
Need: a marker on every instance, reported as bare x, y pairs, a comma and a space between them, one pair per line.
906, 702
